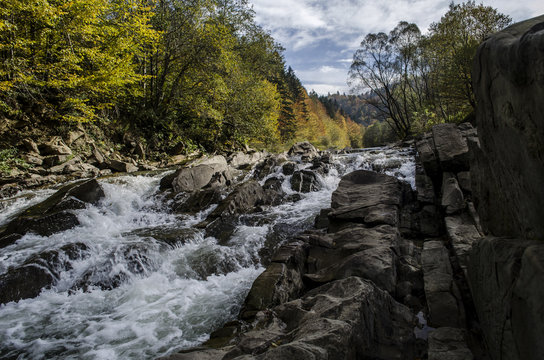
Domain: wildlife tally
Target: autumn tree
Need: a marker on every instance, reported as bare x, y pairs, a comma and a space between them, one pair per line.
449, 50
72, 58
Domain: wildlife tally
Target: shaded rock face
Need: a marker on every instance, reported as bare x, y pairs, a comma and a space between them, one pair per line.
509, 158
330, 295
506, 268
305, 181
54, 214
37, 273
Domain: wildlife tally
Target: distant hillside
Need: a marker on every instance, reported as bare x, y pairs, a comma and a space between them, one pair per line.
356, 107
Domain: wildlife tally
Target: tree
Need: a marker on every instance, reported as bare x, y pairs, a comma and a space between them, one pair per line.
449, 49
72, 58
389, 66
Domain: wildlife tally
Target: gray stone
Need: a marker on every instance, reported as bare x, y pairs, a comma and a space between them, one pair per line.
31, 146
121, 166
55, 146
443, 297
289, 168
303, 149
196, 177
505, 277
463, 178
462, 233
428, 157
509, 169
453, 200
451, 147
33, 159
305, 181
448, 343
244, 160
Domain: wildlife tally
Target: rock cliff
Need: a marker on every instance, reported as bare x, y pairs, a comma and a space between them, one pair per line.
506, 268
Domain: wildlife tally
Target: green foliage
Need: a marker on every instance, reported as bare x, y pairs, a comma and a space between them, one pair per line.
9, 160
73, 58
421, 80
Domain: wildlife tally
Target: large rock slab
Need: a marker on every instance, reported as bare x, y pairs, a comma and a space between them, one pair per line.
443, 297
509, 170
451, 147
367, 197
506, 276
345, 319
196, 177
448, 343
55, 213
462, 233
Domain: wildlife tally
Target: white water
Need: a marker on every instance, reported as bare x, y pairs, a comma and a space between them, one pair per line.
134, 295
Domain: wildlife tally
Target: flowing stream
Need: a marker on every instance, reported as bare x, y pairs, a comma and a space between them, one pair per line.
145, 282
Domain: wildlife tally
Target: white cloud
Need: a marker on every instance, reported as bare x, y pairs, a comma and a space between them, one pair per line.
338, 26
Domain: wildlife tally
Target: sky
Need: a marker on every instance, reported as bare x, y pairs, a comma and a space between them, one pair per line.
320, 36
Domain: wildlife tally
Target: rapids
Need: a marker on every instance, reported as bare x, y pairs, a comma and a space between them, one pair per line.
147, 282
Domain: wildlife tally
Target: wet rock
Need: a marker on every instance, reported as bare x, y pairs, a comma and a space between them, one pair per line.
305, 181
196, 177
424, 185
198, 201
38, 272
241, 200
304, 149
241, 160
452, 196
322, 220
280, 282
448, 343
451, 147
268, 165
54, 214
289, 168
443, 297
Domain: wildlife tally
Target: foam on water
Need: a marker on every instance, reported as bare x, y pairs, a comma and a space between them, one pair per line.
153, 283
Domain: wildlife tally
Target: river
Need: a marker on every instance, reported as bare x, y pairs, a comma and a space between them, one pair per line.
146, 282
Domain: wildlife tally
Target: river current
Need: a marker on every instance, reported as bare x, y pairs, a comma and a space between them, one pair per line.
147, 282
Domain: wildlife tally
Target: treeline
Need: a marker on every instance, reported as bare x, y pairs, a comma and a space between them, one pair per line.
191, 72
420, 80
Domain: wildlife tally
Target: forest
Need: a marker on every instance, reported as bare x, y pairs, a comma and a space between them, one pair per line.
200, 74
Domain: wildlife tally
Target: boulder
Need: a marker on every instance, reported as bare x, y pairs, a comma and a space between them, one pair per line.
305, 181
54, 214
462, 233
31, 146
451, 147
508, 169
428, 157
38, 272
443, 297
303, 149
121, 166
345, 319
289, 168
280, 282
55, 146
452, 197
241, 160
198, 176
367, 197
198, 201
